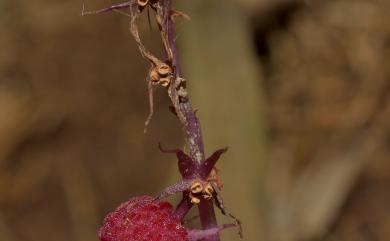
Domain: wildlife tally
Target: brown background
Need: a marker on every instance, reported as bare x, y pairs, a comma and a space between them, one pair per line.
299, 91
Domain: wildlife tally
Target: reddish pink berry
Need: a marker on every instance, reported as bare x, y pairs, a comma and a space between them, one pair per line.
143, 219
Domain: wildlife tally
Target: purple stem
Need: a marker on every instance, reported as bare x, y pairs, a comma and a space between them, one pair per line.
193, 130
184, 206
191, 122
199, 234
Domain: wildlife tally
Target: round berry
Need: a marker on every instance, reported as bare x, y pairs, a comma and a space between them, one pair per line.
143, 219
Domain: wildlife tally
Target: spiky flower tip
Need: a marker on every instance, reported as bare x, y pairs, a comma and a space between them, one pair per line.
143, 219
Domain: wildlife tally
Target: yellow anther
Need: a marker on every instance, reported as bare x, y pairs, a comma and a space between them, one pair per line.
163, 69
142, 3
165, 81
196, 187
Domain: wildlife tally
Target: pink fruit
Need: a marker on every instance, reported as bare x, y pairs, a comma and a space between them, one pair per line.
143, 219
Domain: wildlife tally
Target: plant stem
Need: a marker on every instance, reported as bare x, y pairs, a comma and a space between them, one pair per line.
192, 128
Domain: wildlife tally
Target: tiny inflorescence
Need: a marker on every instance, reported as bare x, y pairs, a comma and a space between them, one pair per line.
151, 219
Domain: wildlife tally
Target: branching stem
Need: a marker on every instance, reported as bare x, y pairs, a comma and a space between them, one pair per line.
168, 73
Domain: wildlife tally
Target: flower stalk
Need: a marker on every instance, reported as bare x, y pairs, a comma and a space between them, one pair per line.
196, 170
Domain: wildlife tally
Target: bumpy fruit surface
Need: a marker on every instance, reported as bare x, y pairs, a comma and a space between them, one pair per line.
143, 219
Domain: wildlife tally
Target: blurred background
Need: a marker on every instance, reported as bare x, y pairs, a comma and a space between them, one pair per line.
299, 91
